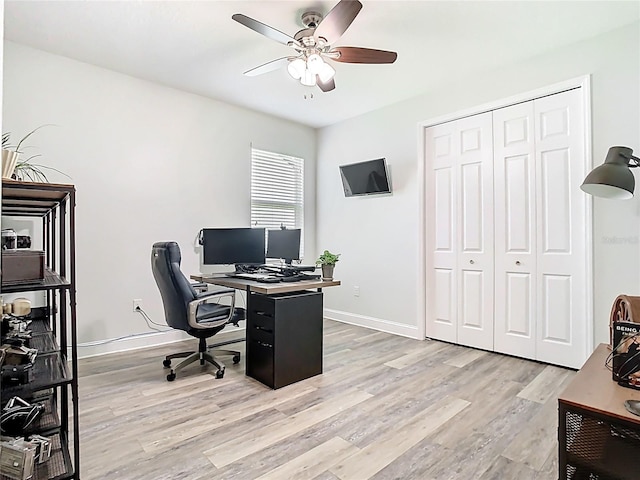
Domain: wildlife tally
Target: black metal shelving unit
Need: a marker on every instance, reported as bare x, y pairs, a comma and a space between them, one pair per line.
55, 371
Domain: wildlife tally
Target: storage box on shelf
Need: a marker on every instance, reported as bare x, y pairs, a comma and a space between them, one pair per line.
55, 372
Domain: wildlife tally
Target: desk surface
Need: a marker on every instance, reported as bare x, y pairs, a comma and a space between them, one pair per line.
264, 288
593, 389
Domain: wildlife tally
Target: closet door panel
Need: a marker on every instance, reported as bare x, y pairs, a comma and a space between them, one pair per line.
556, 306
475, 220
515, 238
519, 315
441, 147
516, 207
561, 214
444, 304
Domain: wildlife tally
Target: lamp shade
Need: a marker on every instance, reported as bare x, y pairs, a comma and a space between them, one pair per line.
315, 63
326, 73
308, 79
296, 68
613, 179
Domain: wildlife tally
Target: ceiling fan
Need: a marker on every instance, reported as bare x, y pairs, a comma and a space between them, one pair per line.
314, 46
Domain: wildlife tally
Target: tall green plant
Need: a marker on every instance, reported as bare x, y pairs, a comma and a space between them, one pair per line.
26, 169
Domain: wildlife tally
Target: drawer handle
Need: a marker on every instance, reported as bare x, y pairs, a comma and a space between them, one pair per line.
264, 314
263, 344
268, 330
517, 262
471, 262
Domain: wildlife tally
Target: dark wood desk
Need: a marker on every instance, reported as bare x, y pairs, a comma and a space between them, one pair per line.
264, 288
284, 327
598, 438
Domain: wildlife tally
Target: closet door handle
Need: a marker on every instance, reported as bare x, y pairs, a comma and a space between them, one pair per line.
517, 262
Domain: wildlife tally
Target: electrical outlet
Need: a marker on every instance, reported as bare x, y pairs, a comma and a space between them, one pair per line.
356, 291
137, 304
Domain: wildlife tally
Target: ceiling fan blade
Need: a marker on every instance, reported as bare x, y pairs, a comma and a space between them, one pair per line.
267, 67
265, 30
325, 86
363, 55
336, 22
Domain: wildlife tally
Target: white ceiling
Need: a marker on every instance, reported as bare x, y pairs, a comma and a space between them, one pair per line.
195, 46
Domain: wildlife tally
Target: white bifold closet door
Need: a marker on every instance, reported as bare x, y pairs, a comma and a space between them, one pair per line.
460, 231
506, 230
540, 249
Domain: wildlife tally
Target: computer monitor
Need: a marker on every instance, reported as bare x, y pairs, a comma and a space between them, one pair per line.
284, 244
227, 246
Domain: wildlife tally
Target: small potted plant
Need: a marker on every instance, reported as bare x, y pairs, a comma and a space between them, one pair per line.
328, 262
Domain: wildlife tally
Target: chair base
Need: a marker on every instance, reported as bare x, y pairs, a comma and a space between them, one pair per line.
203, 355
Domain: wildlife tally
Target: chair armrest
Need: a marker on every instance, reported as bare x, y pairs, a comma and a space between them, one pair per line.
200, 286
203, 298
220, 292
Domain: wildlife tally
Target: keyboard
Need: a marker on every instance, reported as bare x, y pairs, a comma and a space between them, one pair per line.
258, 277
253, 276
299, 277
299, 268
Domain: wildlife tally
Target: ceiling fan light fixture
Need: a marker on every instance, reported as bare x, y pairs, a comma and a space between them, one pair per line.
314, 45
326, 73
308, 79
315, 63
296, 68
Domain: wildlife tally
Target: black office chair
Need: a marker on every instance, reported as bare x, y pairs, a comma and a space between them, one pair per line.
187, 310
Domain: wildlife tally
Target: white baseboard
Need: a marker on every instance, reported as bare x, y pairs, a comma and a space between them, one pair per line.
152, 339
379, 324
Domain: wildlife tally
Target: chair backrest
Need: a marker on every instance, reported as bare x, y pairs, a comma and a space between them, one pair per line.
175, 289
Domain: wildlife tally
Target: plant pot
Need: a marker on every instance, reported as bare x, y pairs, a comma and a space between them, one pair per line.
9, 161
327, 272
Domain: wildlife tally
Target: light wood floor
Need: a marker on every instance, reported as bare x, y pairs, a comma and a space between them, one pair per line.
386, 407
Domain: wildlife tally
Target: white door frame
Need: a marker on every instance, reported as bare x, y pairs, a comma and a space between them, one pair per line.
584, 83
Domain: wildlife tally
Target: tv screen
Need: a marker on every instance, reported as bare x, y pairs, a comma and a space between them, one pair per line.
284, 244
226, 246
365, 178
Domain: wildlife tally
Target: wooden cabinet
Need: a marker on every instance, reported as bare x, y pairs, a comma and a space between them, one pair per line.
598, 438
53, 326
284, 337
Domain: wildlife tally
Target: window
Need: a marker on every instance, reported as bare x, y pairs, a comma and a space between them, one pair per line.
277, 191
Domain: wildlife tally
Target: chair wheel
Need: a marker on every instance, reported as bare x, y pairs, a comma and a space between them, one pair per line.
171, 377
219, 374
236, 359
166, 363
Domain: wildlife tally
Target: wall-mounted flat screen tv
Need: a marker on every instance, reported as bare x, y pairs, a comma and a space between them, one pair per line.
365, 178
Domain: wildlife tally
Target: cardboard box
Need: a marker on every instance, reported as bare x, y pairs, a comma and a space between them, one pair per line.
22, 266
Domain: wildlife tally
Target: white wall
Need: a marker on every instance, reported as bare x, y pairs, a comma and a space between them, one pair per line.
378, 237
149, 163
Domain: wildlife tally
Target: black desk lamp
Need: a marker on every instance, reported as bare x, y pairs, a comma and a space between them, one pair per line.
613, 179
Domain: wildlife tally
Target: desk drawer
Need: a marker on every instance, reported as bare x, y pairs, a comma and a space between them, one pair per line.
261, 365
261, 334
260, 318
262, 305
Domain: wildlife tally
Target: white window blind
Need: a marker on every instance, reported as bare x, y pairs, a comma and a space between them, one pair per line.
277, 190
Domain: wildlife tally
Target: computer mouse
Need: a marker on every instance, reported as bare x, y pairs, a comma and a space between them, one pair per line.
632, 406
